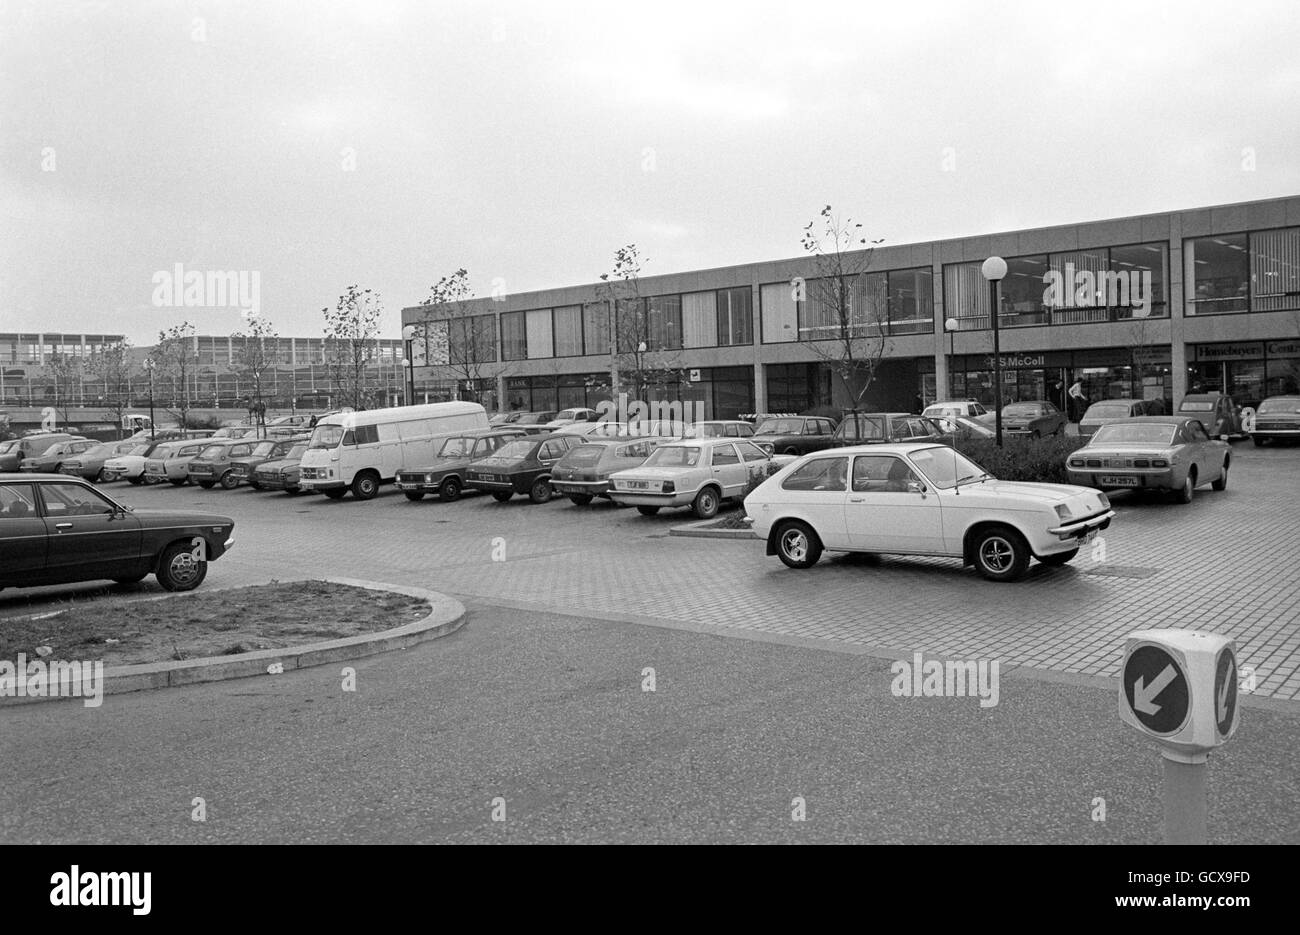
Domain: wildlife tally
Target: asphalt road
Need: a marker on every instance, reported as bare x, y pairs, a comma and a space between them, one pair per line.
547, 713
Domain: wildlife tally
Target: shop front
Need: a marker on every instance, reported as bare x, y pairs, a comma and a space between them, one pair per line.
1103, 373
1248, 371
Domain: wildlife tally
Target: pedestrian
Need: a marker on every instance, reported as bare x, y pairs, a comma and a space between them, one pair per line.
1078, 401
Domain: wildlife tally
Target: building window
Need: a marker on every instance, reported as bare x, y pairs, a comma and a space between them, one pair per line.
966, 296
470, 339
664, 322
537, 323
1149, 262
780, 312
701, 319
1275, 270
568, 331
1218, 274
1074, 291
514, 336
735, 316
595, 328
911, 301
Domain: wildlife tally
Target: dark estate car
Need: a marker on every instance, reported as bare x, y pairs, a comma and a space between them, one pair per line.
583, 473
794, 435
213, 465
56, 529
90, 463
281, 474
521, 466
867, 428
268, 449
445, 475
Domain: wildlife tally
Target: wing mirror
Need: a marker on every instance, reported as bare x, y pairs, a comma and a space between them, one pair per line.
915, 486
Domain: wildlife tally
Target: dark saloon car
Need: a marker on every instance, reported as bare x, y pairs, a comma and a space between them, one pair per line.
56, 529
268, 449
213, 466
583, 473
534, 423
1106, 411
445, 474
280, 474
794, 435
521, 466
867, 428
1278, 419
14, 451
1034, 419
50, 461
1218, 413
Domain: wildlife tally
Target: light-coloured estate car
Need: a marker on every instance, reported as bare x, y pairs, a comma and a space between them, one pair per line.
921, 499
699, 473
170, 461
1152, 453
954, 407
1278, 419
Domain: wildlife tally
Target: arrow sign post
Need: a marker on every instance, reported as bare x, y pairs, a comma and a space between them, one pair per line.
1179, 687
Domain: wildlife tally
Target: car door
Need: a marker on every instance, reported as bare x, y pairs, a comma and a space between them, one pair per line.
22, 535
816, 490
1201, 451
728, 469
890, 508
86, 535
550, 452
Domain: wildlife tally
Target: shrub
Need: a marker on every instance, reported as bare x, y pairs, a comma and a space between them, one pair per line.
1024, 459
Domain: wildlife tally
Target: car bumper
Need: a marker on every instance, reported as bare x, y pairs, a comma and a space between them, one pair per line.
275, 482
646, 498
592, 488
510, 484
1276, 433
1124, 480
321, 484
1084, 529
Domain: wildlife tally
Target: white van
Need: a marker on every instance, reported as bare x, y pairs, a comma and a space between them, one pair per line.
360, 450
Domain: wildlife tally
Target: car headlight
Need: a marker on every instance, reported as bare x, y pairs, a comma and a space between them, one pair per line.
1063, 512
428, 478
1104, 500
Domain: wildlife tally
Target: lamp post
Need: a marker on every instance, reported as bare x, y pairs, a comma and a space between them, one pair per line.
408, 335
950, 325
148, 366
994, 269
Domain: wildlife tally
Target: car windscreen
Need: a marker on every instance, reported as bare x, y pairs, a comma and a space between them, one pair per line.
6, 447
945, 468
138, 450
584, 455
1280, 404
458, 446
515, 451
864, 427
1021, 409
674, 456
212, 451
98, 451
779, 427
1144, 433
571, 414
264, 449
1197, 405
297, 451
326, 436
1107, 411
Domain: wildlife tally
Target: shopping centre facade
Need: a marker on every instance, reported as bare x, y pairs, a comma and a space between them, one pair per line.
1214, 304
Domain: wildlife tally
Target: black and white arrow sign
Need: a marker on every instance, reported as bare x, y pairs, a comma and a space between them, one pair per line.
1155, 687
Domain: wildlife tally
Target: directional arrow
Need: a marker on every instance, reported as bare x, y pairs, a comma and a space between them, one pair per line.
1144, 695
1222, 710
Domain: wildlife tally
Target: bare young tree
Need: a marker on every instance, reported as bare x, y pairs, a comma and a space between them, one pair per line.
457, 342
65, 370
256, 353
175, 360
844, 331
114, 368
351, 332
647, 352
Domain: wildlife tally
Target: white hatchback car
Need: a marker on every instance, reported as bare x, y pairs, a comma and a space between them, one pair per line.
699, 473
921, 499
951, 408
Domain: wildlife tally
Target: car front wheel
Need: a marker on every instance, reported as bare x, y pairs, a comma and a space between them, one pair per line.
1001, 554
336, 493
540, 492
797, 545
449, 490
179, 570
501, 496
229, 481
365, 485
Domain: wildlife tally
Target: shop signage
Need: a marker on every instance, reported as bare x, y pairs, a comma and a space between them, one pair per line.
1244, 351
1284, 348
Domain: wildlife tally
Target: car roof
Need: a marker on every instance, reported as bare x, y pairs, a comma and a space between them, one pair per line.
1158, 420
1202, 396
894, 448
892, 415
685, 442
23, 478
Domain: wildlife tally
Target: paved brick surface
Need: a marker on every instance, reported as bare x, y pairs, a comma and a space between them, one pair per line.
1226, 562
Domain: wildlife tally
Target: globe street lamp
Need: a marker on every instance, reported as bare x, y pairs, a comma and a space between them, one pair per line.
408, 335
950, 325
994, 269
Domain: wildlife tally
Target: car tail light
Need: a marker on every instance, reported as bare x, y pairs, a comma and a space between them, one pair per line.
1141, 462
669, 487
1076, 462
1094, 462
1160, 462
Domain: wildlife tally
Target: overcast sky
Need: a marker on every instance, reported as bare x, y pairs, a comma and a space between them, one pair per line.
389, 143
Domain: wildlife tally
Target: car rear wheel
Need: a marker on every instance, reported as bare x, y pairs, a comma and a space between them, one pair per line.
1188, 490
255, 485
791, 451
365, 485
797, 545
449, 490
135, 481
229, 481
100, 476
1001, 554
580, 499
1060, 558
1222, 482
336, 493
706, 503
540, 491
293, 491
647, 510
207, 484
178, 570
501, 496
414, 495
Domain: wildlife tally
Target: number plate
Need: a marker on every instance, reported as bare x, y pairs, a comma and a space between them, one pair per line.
1089, 535
1113, 480
637, 484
